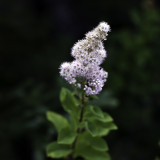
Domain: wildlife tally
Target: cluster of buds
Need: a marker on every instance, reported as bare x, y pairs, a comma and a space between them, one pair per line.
89, 53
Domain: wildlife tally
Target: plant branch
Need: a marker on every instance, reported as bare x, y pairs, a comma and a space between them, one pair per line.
81, 116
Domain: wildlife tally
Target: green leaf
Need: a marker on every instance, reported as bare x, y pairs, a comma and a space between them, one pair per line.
66, 136
68, 101
94, 112
98, 128
97, 143
70, 105
86, 151
55, 150
73, 121
58, 120
106, 118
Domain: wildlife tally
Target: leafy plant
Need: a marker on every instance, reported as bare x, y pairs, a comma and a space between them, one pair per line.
80, 135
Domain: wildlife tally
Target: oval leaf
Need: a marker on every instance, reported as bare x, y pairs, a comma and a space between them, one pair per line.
55, 150
90, 153
68, 101
98, 128
94, 112
97, 143
66, 136
58, 120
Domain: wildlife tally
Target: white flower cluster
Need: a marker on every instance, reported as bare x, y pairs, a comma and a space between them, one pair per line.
89, 53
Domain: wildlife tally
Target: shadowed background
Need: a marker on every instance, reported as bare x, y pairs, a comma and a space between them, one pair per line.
36, 36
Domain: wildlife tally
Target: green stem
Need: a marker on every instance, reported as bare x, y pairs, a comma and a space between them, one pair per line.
82, 107
80, 118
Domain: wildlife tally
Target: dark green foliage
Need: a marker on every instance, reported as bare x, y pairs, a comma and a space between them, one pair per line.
59, 121
88, 152
134, 77
83, 139
55, 150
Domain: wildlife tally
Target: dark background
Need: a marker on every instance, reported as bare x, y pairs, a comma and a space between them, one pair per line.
36, 36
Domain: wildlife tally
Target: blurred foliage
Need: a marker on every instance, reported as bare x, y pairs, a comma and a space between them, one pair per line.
36, 36
157, 157
134, 77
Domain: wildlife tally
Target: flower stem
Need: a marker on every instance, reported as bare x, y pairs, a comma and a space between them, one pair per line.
82, 107
80, 118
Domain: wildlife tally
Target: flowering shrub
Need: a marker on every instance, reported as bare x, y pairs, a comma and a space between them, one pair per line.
80, 136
